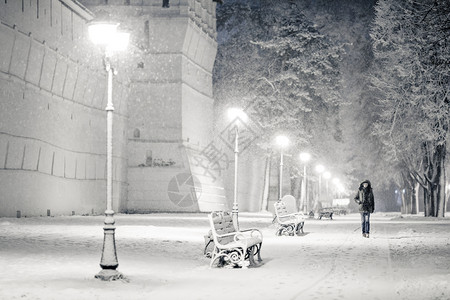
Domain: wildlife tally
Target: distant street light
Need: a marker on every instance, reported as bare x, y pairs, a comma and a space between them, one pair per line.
105, 34
236, 115
282, 141
304, 157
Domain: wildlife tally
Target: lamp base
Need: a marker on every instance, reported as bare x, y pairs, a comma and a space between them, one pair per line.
109, 275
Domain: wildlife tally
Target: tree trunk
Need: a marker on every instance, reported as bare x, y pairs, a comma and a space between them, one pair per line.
410, 194
265, 197
415, 199
440, 195
437, 179
426, 200
404, 204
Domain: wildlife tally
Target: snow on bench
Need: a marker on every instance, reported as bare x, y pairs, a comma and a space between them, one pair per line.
326, 213
288, 223
231, 247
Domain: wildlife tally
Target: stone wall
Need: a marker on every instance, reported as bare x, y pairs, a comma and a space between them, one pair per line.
53, 95
170, 104
52, 118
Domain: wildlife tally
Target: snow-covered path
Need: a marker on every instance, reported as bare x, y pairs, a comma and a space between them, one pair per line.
161, 256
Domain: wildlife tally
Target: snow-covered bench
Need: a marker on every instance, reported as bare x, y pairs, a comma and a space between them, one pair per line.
326, 212
231, 247
288, 223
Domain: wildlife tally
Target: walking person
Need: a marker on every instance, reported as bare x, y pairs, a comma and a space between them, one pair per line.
364, 197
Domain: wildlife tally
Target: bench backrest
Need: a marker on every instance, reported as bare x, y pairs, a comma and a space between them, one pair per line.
280, 208
222, 223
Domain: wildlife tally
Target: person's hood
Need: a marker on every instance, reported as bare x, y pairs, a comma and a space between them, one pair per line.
365, 181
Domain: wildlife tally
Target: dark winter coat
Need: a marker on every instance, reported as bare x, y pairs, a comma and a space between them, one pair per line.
364, 197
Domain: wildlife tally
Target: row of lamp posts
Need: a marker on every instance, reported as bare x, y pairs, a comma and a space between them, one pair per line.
106, 35
305, 157
237, 116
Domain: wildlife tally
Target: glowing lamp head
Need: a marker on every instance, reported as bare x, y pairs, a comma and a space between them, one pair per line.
120, 43
106, 34
234, 112
320, 168
305, 157
282, 141
102, 33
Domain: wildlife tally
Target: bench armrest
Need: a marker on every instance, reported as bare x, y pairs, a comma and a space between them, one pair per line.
292, 215
253, 232
236, 235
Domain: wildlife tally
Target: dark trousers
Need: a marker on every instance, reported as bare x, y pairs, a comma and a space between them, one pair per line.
365, 222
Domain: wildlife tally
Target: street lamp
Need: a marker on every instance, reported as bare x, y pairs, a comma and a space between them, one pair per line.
236, 115
304, 157
105, 35
283, 142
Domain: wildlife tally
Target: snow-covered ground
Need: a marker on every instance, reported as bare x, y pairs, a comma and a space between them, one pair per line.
161, 256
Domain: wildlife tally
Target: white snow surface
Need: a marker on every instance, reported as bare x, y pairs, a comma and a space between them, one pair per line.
161, 256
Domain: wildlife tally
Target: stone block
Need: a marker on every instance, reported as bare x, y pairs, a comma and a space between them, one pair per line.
71, 79
80, 87
60, 76
31, 156
15, 152
3, 150
48, 69
192, 43
91, 87
45, 159
19, 58
58, 163
6, 47
37, 53
70, 164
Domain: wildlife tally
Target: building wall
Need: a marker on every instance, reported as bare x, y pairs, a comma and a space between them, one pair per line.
53, 95
170, 104
52, 119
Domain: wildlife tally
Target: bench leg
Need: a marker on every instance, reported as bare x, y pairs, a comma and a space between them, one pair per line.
258, 247
217, 255
279, 231
299, 229
251, 258
208, 245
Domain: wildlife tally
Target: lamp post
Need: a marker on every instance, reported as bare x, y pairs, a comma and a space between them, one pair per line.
236, 115
105, 34
304, 157
282, 141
